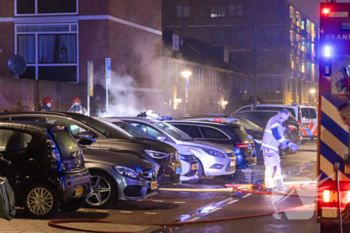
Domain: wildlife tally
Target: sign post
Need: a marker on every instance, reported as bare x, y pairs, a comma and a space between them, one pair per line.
90, 84
108, 79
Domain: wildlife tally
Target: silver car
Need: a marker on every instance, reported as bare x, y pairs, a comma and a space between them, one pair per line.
215, 159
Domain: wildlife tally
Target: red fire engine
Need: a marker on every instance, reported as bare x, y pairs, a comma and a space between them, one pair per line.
333, 140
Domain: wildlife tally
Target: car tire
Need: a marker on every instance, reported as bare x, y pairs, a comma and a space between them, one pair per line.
47, 200
99, 197
73, 205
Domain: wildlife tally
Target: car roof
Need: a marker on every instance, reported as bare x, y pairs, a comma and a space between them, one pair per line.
204, 122
257, 111
144, 119
35, 112
28, 125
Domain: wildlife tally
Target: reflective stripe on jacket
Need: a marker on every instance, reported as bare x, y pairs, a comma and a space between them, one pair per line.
274, 134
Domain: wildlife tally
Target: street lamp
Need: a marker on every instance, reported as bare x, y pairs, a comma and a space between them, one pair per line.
186, 74
312, 91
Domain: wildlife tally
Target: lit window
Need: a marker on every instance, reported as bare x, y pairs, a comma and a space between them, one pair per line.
217, 11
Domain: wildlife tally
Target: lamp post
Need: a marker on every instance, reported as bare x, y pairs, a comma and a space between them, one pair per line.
312, 91
186, 74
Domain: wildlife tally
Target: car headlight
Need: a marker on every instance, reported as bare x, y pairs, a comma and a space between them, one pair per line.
125, 171
156, 154
215, 153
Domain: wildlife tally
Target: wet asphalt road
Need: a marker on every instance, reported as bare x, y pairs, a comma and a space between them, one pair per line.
188, 206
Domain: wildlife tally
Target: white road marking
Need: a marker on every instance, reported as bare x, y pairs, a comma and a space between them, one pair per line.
126, 212
103, 211
179, 202
247, 195
158, 201
150, 213
231, 202
193, 219
215, 210
221, 202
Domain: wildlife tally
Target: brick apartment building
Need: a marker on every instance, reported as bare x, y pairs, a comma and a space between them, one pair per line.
58, 37
286, 41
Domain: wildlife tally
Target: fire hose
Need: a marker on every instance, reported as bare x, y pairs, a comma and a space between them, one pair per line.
56, 222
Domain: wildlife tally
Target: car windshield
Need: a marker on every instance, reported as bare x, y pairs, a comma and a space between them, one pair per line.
135, 132
108, 130
173, 131
249, 124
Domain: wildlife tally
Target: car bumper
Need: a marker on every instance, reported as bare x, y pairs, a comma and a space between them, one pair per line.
71, 187
169, 172
189, 170
215, 166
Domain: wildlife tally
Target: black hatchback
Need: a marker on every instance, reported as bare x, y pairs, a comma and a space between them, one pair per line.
231, 134
44, 166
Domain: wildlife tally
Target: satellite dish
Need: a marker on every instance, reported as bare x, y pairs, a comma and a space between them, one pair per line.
17, 65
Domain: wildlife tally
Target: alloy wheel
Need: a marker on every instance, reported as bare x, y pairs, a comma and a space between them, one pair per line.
40, 201
100, 191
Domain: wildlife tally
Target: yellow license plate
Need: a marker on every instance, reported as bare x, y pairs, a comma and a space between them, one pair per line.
306, 126
194, 166
79, 191
154, 185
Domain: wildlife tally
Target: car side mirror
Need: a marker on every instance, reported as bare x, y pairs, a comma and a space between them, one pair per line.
85, 135
86, 141
162, 138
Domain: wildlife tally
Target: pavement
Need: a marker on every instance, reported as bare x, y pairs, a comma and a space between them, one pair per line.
183, 206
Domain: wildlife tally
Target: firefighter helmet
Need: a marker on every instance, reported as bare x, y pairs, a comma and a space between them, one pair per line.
75, 99
47, 100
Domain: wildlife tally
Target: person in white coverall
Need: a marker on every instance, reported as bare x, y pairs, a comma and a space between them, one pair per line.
274, 138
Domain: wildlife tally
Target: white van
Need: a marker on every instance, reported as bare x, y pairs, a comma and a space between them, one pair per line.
305, 114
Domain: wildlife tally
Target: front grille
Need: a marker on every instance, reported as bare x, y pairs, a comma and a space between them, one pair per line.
133, 191
160, 171
149, 174
230, 155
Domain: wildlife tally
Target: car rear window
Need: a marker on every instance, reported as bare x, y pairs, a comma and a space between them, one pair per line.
308, 113
212, 133
183, 128
13, 140
240, 132
66, 143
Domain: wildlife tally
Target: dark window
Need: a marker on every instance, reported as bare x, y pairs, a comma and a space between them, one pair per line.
57, 6
236, 35
239, 133
217, 11
29, 73
217, 36
59, 48
272, 34
308, 113
235, 10
183, 128
74, 128
148, 130
26, 47
13, 140
182, 11
194, 132
58, 73
212, 133
25, 6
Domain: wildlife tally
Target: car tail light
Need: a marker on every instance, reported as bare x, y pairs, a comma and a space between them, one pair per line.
54, 151
242, 145
331, 196
292, 127
326, 196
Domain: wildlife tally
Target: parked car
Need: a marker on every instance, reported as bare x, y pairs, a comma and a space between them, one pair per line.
250, 127
261, 117
107, 136
214, 159
189, 162
117, 176
304, 114
44, 166
232, 135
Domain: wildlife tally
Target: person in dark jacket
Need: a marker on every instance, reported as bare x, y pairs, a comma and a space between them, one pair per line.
77, 107
46, 105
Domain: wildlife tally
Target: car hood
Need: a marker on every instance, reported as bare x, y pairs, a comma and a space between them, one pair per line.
114, 158
148, 144
208, 145
180, 148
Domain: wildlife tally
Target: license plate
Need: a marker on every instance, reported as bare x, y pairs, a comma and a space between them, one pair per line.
195, 166
154, 185
178, 170
306, 126
79, 191
232, 164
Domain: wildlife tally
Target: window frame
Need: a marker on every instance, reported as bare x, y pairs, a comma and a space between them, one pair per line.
214, 128
45, 14
37, 62
182, 12
217, 10
235, 10
20, 131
